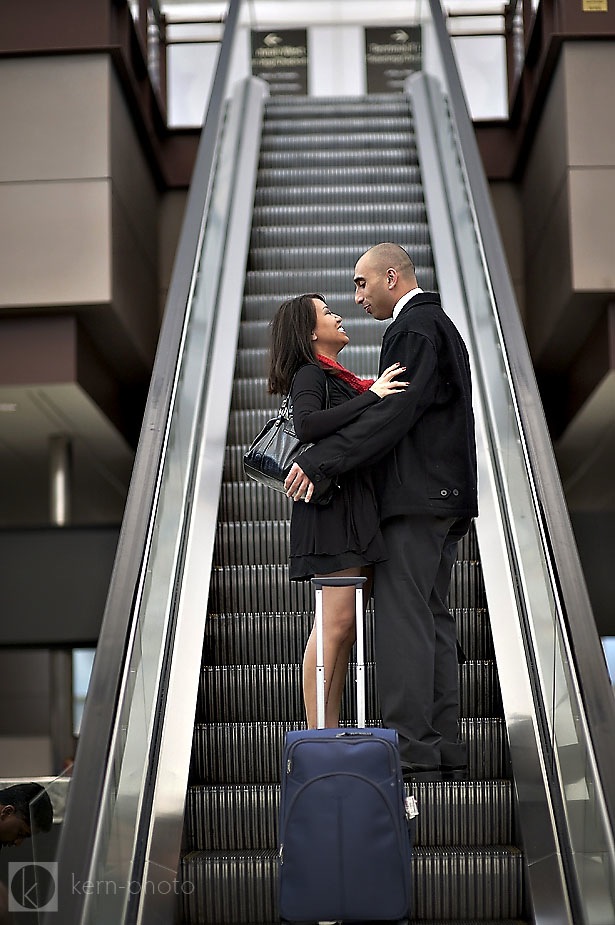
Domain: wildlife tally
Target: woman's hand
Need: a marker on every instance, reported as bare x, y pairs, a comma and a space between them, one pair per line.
385, 384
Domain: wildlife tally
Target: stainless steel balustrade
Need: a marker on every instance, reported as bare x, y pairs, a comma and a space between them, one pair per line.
557, 699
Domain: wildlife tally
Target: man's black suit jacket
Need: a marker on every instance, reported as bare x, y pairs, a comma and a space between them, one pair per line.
421, 440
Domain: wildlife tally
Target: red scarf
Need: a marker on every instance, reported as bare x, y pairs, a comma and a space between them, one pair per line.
359, 385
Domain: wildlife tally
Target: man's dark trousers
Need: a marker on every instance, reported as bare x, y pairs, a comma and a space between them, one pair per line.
416, 638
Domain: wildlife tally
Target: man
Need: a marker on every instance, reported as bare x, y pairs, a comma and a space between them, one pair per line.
21, 807
422, 444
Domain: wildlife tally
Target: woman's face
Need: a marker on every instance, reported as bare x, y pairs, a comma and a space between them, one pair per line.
329, 337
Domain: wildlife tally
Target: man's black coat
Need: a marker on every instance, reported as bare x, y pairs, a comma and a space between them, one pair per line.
423, 437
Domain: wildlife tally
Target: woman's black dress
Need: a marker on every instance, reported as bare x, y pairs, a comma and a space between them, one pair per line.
345, 533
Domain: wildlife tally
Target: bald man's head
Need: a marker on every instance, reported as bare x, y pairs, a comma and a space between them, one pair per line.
388, 255
382, 276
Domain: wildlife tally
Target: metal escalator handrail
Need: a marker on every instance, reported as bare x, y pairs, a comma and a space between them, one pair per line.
446, 203
162, 827
579, 625
79, 830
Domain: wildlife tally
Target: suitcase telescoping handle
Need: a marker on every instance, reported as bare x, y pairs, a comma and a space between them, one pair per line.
320, 583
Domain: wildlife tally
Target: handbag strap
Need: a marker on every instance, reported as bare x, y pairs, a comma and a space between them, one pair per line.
286, 408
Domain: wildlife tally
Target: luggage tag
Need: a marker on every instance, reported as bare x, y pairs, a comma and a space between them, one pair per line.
411, 807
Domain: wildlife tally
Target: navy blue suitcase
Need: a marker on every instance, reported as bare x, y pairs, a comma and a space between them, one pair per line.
345, 847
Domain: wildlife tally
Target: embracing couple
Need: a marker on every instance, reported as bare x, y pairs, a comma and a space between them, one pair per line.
402, 452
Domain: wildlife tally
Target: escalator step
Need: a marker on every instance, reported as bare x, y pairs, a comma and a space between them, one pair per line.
229, 887
273, 693
400, 142
456, 883
335, 284
332, 214
317, 258
349, 176
246, 815
232, 818
257, 638
363, 361
468, 546
256, 588
338, 157
244, 425
252, 501
244, 753
467, 588
263, 308
360, 329
256, 543
464, 813
474, 922
474, 632
395, 122
380, 132
328, 282
237, 534
267, 588
266, 543
250, 394
277, 108
423, 922
234, 887
360, 234
374, 193
254, 362
279, 638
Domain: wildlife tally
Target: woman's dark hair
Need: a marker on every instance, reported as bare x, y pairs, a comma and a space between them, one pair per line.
292, 327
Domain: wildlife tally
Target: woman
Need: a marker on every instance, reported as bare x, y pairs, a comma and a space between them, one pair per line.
341, 537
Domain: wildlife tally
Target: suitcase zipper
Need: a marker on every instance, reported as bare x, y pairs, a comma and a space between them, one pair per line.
340, 841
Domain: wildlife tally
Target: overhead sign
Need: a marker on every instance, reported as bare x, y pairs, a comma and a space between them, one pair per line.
391, 54
280, 57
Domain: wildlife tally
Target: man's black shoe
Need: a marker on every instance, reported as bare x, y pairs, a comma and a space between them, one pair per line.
416, 773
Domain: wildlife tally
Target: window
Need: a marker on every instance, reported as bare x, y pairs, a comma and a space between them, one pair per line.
83, 659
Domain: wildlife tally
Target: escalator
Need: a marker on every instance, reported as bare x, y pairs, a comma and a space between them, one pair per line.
172, 808
335, 176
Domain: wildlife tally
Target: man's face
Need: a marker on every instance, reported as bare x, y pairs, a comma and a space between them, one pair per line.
372, 290
13, 828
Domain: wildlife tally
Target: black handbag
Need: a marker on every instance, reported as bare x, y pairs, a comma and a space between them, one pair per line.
274, 450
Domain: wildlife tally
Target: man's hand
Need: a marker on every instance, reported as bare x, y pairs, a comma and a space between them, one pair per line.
297, 484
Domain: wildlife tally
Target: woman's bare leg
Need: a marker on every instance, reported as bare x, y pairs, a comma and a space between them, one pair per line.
339, 636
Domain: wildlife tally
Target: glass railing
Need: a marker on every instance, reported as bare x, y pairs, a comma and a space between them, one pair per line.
102, 844
105, 841
38, 887
574, 705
